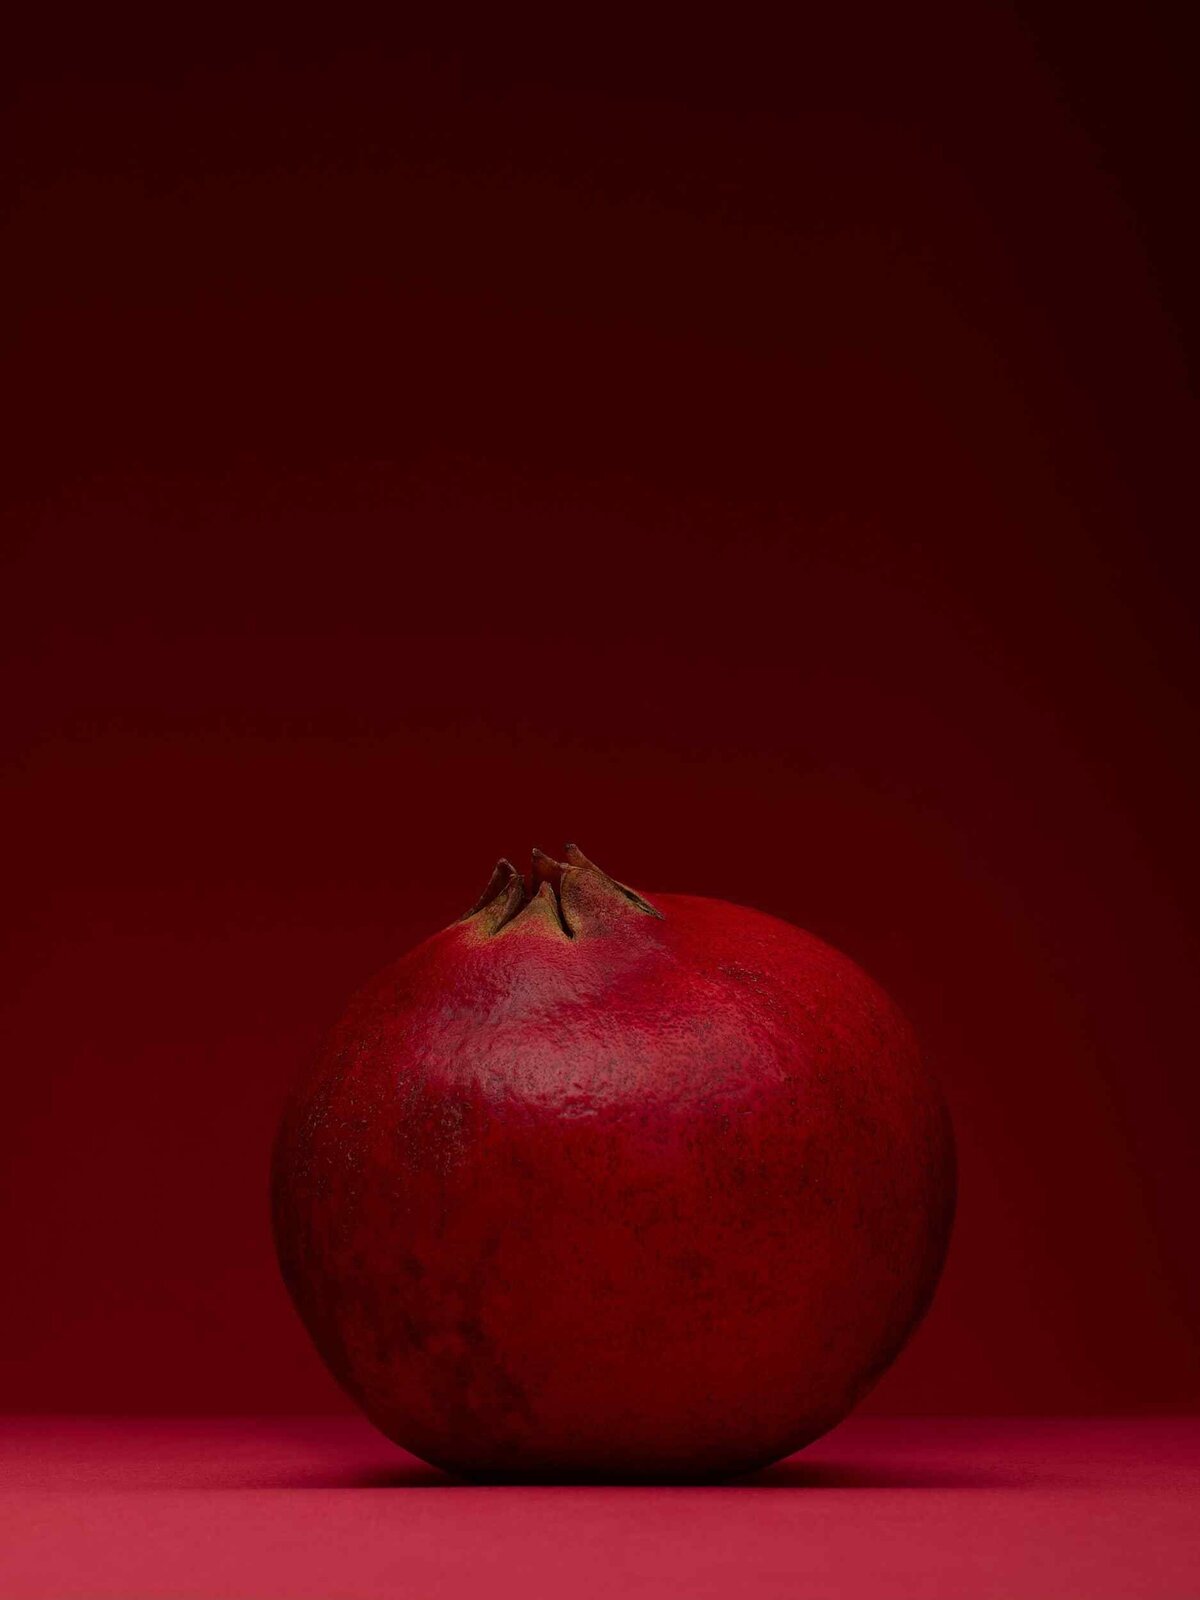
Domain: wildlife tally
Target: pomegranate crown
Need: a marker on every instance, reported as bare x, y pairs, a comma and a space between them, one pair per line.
568, 897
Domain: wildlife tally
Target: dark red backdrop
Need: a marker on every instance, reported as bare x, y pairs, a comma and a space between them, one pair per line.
759, 457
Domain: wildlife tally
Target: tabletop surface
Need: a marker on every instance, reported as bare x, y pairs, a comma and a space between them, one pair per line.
242, 1508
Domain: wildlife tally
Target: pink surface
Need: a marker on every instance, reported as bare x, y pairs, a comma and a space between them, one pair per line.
325, 1507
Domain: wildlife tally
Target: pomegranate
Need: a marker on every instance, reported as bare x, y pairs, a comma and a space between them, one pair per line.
587, 1186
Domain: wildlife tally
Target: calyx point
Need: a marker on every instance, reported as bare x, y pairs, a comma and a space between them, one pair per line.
568, 897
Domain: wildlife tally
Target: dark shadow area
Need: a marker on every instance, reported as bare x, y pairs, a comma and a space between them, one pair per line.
800, 1474
416, 1475
790, 1474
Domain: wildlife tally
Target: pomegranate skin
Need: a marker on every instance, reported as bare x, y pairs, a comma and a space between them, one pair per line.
585, 1188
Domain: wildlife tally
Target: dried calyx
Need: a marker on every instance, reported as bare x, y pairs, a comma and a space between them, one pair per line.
569, 897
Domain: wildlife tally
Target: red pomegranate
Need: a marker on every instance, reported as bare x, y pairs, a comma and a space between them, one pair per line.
589, 1187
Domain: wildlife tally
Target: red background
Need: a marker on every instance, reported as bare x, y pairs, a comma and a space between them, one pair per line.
761, 457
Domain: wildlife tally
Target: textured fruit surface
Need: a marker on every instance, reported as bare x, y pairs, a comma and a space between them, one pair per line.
585, 1186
